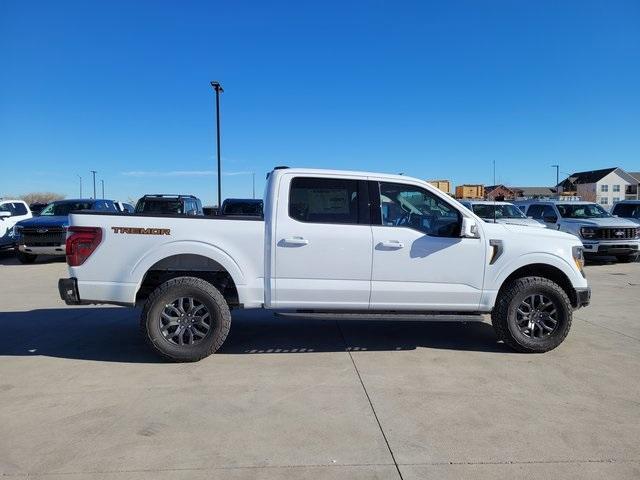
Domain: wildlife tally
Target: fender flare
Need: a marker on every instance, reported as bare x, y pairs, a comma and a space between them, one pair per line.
536, 258
180, 247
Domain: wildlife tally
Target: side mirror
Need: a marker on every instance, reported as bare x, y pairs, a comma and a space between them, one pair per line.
469, 228
5, 214
550, 219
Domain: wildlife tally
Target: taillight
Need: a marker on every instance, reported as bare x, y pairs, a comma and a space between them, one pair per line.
81, 244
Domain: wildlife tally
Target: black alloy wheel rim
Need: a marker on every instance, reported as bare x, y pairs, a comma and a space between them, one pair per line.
537, 317
185, 321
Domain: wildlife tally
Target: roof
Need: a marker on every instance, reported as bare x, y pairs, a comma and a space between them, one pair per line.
484, 202
635, 175
534, 191
590, 176
490, 188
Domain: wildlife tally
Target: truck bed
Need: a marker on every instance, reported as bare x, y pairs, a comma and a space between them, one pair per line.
140, 241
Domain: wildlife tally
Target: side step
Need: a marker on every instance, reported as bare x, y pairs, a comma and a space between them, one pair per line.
385, 316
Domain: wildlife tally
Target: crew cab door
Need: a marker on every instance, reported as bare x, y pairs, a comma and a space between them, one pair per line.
420, 261
322, 243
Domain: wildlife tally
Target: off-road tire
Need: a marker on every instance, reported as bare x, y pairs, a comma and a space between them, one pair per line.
26, 258
627, 258
503, 316
202, 291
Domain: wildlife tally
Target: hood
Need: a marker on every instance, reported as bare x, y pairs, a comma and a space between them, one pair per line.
541, 233
600, 222
46, 221
529, 222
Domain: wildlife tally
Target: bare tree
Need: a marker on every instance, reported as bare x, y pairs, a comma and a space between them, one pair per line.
41, 197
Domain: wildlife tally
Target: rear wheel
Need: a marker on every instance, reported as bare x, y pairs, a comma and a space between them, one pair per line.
532, 315
627, 258
185, 319
26, 257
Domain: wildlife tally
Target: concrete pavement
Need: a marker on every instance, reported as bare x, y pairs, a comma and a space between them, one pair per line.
81, 396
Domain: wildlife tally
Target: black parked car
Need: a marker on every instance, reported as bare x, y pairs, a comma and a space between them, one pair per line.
170, 205
250, 207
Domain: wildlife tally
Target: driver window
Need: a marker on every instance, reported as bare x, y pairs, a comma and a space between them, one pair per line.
412, 207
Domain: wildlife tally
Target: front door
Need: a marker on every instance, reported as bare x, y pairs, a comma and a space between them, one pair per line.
420, 262
322, 244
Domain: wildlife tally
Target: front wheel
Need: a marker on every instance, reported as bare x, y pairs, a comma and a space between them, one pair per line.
532, 315
185, 319
26, 257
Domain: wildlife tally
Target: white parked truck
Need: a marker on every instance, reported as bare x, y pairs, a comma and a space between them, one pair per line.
330, 241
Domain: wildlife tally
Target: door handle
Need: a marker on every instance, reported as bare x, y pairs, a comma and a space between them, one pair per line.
392, 244
296, 241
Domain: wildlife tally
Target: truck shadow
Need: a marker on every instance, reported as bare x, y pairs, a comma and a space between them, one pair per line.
111, 334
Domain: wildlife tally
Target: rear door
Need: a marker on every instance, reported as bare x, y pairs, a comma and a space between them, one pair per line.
322, 243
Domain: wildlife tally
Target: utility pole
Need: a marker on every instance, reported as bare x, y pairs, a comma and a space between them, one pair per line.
218, 88
102, 182
494, 173
253, 183
80, 184
94, 183
557, 167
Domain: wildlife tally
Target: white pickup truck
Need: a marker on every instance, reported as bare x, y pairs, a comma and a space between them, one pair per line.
330, 241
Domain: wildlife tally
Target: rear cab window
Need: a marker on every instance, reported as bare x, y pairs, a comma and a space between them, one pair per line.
328, 200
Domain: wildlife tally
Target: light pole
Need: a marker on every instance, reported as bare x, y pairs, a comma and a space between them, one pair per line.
253, 184
94, 182
80, 184
218, 88
557, 167
102, 182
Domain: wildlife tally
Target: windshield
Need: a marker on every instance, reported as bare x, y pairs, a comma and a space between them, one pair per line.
64, 208
588, 210
501, 211
627, 210
159, 206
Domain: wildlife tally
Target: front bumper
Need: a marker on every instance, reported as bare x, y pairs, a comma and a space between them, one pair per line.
68, 288
622, 247
583, 297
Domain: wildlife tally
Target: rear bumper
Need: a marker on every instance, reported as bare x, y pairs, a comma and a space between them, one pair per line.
54, 250
68, 288
583, 297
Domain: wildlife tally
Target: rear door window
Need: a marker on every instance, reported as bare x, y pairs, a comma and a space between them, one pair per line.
325, 200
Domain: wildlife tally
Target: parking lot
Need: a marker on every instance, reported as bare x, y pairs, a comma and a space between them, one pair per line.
81, 396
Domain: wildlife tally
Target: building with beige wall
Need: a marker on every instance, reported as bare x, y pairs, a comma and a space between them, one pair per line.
470, 191
444, 185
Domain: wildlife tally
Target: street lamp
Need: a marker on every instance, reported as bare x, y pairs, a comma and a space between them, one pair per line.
80, 184
218, 88
94, 182
253, 184
557, 167
102, 182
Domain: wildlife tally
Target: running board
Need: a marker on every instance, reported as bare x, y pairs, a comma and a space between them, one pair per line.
408, 316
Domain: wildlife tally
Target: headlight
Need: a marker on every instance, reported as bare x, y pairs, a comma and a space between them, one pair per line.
588, 232
15, 231
578, 258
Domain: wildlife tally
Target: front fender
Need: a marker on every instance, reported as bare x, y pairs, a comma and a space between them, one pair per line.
571, 272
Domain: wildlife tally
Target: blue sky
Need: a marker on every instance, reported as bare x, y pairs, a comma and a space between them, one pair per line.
432, 89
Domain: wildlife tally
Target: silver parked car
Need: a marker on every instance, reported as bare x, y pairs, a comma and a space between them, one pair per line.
601, 233
500, 212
